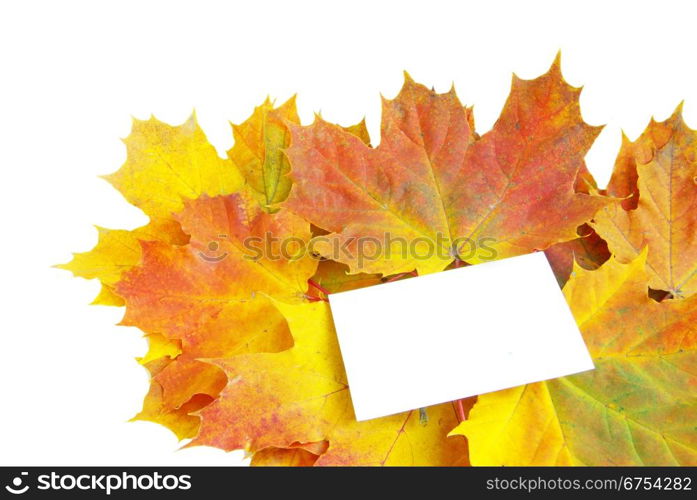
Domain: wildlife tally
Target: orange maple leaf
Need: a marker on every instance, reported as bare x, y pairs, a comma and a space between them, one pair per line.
432, 182
658, 173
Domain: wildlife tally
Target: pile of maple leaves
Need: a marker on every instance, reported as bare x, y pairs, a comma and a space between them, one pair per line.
242, 354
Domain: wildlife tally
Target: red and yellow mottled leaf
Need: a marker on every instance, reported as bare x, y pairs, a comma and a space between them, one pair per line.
301, 395
432, 183
205, 300
208, 296
665, 215
179, 388
117, 251
639, 405
182, 421
183, 378
258, 149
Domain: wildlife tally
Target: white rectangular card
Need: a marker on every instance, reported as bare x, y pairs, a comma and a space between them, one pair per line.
445, 336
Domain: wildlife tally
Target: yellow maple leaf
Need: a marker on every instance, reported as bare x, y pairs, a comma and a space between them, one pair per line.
167, 165
118, 250
638, 406
301, 395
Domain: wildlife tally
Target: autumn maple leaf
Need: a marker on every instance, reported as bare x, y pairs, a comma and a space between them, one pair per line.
257, 151
168, 167
657, 175
118, 250
259, 144
301, 396
159, 403
432, 176
213, 299
638, 406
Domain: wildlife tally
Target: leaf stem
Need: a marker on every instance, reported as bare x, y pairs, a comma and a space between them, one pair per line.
460, 410
400, 276
319, 287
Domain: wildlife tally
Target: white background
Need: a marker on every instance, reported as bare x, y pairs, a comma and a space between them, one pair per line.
72, 73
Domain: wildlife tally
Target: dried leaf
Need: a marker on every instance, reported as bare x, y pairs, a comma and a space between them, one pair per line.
117, 251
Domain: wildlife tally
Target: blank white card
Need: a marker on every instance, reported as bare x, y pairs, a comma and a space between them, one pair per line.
445, 336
